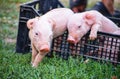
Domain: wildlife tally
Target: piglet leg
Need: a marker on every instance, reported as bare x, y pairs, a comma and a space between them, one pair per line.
117, 32
93, 32
34, 53
38, 59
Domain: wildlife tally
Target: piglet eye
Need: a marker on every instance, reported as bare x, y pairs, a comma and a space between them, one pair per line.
79, 26
36, 33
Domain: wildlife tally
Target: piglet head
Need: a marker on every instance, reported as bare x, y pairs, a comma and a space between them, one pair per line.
41, 34
78, 25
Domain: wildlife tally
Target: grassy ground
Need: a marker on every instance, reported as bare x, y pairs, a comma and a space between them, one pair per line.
17, 66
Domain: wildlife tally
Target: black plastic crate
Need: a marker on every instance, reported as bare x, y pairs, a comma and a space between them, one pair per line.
105, 47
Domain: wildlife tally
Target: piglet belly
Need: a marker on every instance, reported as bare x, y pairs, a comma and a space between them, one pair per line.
61, 25
59, 31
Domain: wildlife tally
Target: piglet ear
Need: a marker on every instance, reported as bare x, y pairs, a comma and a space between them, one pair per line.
30, 23
89, 18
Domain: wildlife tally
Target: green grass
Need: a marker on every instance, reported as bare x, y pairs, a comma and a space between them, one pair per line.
17, 66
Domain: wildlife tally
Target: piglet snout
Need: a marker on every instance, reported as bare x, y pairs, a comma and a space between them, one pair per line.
45, 48
71, 40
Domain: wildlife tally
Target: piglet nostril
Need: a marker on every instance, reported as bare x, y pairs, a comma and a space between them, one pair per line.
45, 48
72, 41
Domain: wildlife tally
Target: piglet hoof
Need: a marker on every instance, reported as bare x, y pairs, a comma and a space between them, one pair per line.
34, 66
92, 37
31, 63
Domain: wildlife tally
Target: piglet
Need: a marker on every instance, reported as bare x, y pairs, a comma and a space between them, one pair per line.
43, 29
80, 23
